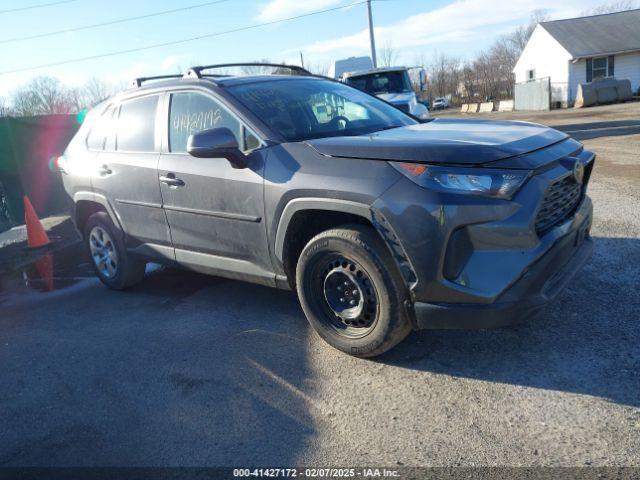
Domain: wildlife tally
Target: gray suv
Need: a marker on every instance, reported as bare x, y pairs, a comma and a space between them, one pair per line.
380, 222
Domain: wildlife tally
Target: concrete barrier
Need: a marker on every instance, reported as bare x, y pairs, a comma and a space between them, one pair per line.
505, 106
473, 107
464, 108
485, 107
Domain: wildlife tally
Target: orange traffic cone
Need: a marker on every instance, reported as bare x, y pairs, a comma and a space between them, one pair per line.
36, 234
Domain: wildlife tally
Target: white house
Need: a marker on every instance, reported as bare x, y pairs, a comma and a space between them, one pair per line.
579, 50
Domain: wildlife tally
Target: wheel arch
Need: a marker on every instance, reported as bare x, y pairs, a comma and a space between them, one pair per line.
88, 203
303, 218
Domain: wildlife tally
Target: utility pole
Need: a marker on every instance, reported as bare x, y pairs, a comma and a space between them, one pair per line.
372, 37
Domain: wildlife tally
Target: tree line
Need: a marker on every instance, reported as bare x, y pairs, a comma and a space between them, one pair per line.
46, 95
487, 76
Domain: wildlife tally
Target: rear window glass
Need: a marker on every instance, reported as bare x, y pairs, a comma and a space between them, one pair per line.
137, 125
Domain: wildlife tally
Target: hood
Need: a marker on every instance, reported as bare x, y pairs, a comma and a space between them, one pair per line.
404, 97
466, 142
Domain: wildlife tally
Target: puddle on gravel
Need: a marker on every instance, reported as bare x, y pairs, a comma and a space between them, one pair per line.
48, 272
68, 266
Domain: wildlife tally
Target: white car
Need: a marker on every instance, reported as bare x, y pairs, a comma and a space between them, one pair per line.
440, 103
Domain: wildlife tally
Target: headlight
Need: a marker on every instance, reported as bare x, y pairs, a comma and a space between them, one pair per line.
473, 181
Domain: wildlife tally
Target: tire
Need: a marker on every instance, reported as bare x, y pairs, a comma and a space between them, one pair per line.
370, 318
115, 268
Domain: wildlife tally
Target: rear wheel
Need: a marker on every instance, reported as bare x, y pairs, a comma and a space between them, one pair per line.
105, 245
352, 292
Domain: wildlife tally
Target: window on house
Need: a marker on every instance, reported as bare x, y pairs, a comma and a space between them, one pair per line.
531, 75
600, 67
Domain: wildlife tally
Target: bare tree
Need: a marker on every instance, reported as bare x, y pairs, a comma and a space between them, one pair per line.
319, 68
613, 7
443, 74
257, 70
520, 36
95, 91
42, 96
5, 110
387, 55
469, 82
90, 94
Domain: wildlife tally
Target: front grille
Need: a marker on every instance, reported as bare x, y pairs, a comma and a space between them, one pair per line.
559, 203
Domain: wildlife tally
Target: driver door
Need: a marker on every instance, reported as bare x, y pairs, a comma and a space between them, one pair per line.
215, 212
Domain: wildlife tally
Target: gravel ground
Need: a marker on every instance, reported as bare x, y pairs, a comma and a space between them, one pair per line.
192, 370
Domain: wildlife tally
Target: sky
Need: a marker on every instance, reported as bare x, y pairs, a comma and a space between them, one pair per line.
413, 28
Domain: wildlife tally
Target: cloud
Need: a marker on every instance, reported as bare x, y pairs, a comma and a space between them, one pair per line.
277, 9
459, 21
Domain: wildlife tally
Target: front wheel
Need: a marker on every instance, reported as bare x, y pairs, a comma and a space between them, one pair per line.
352, 292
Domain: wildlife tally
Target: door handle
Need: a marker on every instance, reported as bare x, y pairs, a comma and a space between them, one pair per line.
171, 180
104, 170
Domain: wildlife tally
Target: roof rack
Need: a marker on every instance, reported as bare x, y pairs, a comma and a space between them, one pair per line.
137, 82
196, 72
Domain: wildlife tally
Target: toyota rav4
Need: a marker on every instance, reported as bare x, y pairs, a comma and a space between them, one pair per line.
380, 222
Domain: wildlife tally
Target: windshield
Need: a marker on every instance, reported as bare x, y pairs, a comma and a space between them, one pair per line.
382, 82
304, 109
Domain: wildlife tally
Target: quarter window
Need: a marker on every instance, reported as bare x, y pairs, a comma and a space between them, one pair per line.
194, 112
101, 130
251, 142
137, 125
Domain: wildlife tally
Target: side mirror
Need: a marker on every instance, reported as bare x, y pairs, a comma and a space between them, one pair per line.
217, 142
423, 79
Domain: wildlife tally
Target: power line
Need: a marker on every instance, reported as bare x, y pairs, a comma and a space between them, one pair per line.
41, 5
111, 22
177, 42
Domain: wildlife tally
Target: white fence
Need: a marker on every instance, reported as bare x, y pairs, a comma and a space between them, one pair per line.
534, 95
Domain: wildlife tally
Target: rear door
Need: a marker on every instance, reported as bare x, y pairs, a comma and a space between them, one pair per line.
126, 173
215, 212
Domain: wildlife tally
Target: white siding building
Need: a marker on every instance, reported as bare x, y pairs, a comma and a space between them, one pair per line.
578, 50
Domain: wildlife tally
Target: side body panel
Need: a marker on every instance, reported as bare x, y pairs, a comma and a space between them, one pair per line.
129, 182
297, 178
216, 212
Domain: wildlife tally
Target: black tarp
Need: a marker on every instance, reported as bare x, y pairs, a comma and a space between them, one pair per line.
27, 144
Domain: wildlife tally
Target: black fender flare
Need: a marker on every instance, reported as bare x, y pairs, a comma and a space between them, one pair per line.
300, 204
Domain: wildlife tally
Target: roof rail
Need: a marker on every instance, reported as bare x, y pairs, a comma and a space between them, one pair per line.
137, 82
196, 72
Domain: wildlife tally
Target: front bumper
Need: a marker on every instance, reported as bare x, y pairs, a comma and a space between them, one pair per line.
475, 262
539, 285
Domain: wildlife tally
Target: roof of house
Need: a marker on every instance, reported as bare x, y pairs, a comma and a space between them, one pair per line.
598, 34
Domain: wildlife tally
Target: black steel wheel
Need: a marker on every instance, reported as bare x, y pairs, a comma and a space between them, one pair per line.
352, 292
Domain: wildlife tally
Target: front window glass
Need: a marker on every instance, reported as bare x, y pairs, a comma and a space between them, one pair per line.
382, 82
193, 112
302, 109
